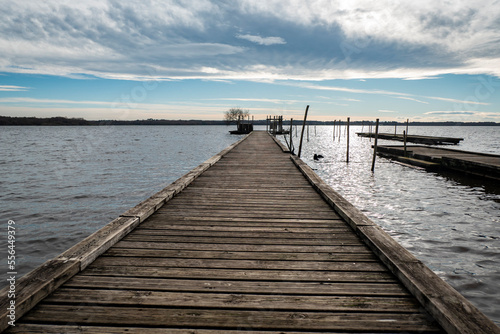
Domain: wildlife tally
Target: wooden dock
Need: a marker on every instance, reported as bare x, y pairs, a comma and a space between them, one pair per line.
251, 241
478, 164
427, 140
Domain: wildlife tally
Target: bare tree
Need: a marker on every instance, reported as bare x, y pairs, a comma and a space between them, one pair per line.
233, 114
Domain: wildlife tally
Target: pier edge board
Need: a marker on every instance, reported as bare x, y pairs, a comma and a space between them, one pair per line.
35, 286
44, 279
280, 144
450, 309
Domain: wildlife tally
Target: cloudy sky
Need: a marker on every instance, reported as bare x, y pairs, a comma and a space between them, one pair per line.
193, 59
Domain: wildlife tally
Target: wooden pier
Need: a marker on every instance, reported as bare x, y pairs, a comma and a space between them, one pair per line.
477, 164
251, 241
427, 140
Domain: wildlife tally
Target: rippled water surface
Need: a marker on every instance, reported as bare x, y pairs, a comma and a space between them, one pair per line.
449, 222
59, 184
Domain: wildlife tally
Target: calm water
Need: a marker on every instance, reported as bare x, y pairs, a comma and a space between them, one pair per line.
62, 183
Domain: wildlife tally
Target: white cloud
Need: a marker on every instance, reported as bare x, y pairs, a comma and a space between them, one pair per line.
262, 40
457, 101
468, 114
275, 101
411, 99
450, 113
386, 111
10, 88
36, 101
346, 90
399, 95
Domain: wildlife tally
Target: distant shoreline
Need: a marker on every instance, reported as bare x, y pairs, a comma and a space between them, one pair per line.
64, 121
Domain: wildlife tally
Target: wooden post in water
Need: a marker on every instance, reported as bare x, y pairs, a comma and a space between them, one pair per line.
395, 128
275, 126
407, 120
303, 128
347, 155
334, 129
404, 140
375, 146
291, 131
340, 129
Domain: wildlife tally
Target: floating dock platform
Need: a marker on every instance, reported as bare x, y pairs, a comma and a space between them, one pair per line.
251, 241
427, 140
477, 164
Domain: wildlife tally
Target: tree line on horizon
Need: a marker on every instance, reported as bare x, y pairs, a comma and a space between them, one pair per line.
65, 121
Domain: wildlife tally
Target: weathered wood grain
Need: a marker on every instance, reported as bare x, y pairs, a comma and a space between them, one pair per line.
361, 248
140, 298
242, 274
231, 319
241, 286
35, 286
109, 261
253, 241
69, 329
238, 255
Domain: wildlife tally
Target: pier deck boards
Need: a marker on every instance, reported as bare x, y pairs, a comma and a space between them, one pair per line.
478, 164
428, 140
248, 246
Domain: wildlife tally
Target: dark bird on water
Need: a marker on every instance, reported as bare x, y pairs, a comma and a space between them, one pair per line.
317, 157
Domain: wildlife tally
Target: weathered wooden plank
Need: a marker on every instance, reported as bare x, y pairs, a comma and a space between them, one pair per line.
245, 228
140, 298
242, 274
237, 206
71, 329
33, 287
361, 248
254, 192
231, 319
241, 221
248, 214
254, 241
100, 241
243, 286
338, 234
203, 254
106, 261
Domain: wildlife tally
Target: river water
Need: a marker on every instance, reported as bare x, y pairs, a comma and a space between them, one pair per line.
59, 184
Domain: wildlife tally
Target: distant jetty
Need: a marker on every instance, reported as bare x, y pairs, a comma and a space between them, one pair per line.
428, 140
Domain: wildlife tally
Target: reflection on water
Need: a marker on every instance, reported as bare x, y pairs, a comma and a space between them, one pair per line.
450, 222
